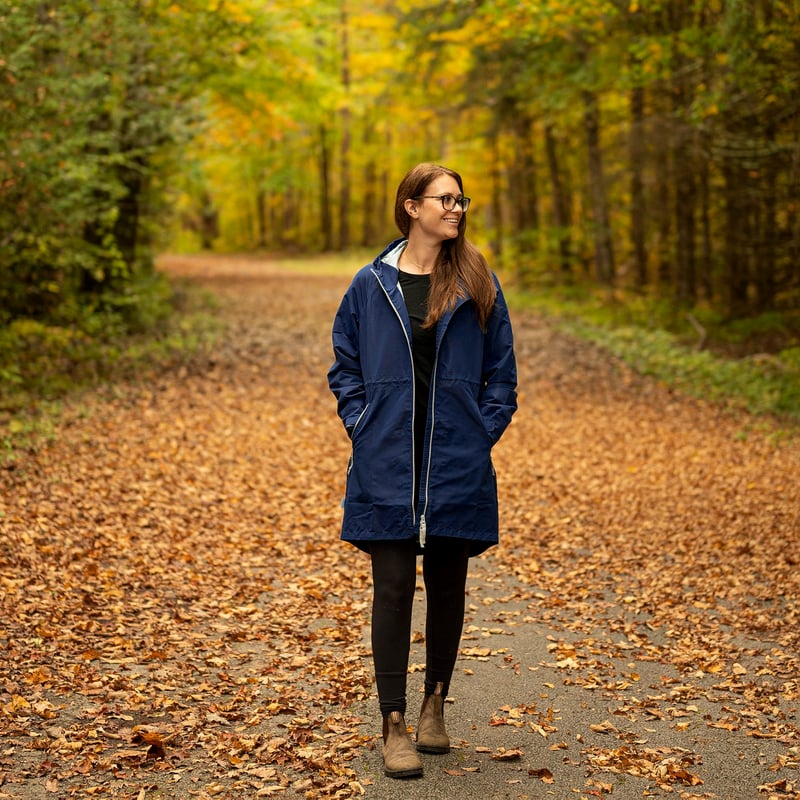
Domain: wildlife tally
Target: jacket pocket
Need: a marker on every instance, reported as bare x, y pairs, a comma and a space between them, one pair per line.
357, 423
354, 431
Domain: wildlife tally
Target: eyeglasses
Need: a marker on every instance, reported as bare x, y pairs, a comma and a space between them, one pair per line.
448, 201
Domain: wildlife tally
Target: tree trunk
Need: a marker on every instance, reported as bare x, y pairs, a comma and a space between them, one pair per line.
287, 222
685, 199
766, 268
368, 232
209, 222
736, 235
344, 149
522, 179
684, 167
706, 276
261, 217
496, 243
326, 222
660, 206
385, 207
126, 227
562, 205
638, 215
604, 251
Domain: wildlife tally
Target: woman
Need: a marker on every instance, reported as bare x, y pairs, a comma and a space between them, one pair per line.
425, 380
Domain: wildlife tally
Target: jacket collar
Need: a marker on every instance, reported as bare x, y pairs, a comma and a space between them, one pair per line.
385, 269
385, 265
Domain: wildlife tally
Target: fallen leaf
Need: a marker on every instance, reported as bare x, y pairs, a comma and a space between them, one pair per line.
543, 774
501, 754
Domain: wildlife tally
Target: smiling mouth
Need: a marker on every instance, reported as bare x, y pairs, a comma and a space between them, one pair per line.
451, 219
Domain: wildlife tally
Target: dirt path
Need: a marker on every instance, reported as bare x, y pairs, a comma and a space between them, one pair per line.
177, 618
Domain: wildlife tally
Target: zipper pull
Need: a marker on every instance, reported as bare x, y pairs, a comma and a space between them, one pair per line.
423, 529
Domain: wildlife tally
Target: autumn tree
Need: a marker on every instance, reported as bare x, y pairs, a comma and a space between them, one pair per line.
92, 99
651, 146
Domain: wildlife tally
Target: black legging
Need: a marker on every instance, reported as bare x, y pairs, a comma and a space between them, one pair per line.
444, 570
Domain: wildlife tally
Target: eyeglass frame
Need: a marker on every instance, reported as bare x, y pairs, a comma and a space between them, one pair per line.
462, 200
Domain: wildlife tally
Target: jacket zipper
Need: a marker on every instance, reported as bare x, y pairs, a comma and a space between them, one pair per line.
422, 526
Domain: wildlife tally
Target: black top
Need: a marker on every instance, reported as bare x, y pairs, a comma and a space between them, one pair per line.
423, 346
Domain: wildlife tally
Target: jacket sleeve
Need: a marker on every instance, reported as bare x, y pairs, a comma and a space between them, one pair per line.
344, 377
499, 396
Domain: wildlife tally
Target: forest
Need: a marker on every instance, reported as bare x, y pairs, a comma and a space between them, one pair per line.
187, 187
648, 146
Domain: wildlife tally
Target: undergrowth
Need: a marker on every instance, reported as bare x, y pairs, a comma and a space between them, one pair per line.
42, 363
751, 364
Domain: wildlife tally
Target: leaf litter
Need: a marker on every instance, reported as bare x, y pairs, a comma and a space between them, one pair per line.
177, 615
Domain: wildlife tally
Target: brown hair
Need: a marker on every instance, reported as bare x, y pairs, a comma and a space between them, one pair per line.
460, 269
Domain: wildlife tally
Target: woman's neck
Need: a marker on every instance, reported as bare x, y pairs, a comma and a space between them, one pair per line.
421, 263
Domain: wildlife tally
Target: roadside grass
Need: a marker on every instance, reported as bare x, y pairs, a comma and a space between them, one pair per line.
751, 365
43, 364
328, 264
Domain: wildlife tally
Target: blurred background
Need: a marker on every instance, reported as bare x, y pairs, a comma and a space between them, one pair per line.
646, 150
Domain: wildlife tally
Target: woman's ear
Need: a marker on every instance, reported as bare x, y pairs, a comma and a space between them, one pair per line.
411, 207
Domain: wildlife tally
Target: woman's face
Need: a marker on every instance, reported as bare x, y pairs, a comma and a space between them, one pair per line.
432, 218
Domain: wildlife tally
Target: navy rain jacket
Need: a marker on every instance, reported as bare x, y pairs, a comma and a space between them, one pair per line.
473, 396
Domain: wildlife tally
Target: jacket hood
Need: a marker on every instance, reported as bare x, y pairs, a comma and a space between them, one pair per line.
380, 263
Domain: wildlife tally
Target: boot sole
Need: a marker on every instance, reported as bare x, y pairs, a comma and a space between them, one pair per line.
432, 750
416, 772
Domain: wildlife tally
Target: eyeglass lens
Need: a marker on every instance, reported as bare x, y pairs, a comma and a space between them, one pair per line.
449, 202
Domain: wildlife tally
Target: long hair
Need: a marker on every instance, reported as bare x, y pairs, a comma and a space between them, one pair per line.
460, 269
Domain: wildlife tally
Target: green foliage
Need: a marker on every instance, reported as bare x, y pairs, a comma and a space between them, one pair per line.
790, 357
93, 100
655, 338
42, 362
761, 385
